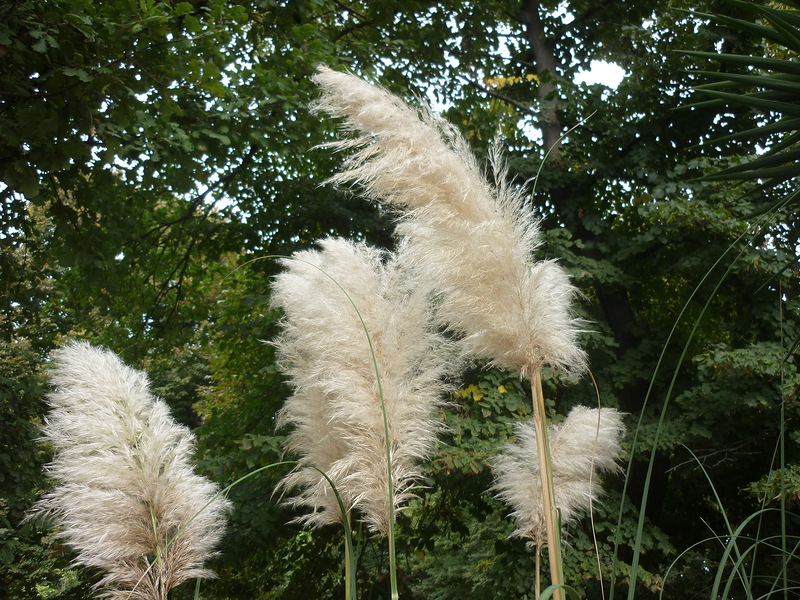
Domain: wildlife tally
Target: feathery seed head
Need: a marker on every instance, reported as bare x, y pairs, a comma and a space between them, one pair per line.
333, 298
472, 242
126, 497
581, 447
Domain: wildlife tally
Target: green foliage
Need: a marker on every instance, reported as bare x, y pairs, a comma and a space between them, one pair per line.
769, 85
33, 566
483, 418
778, 485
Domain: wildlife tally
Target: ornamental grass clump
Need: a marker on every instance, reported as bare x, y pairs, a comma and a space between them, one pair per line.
471, 242
363, 363
126, 499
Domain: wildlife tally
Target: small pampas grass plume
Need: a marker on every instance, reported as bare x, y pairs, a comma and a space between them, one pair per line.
584, 445
472, 240
332, 298
126, 498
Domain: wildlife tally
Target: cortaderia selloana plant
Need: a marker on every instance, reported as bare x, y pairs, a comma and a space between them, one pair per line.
367, 372
126, 498
472, 244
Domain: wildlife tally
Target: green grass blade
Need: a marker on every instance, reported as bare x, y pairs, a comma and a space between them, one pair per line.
784, 108
392, 549
550, 592
753, 230
767, 64
758, 133
777, 205
733, 541
778, 83
726, 554
782, 173
766, 162
678, 558
759, 31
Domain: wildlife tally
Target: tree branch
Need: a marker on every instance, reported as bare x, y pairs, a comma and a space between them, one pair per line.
589, 12
223, 182
500, 96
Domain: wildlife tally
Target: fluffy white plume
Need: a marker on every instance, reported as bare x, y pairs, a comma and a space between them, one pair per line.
126, 497
472, 240
335, 409
585, 444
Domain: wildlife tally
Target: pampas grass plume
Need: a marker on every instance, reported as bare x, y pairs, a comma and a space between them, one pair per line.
472, 240
332, 298
126, 498
584, 445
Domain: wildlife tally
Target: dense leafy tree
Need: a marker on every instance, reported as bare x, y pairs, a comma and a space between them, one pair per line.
154, 154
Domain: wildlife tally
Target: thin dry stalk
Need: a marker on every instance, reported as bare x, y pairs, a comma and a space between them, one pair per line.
549, 510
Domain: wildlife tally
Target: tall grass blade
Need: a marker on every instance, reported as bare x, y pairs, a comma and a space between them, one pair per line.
648, 476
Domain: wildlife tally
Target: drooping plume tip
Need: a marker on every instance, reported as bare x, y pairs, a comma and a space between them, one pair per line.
472, 242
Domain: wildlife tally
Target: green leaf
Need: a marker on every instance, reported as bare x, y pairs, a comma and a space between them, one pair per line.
183, 8
767, 64
215, 88
785, 108
79, 73
39, 46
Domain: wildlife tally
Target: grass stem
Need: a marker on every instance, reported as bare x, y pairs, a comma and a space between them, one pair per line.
538, 582
548, 491
349, 570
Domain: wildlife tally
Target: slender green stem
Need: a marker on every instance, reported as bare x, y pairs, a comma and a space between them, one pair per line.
393, 563
390, 482
753, 230
349, 553
388, 441
349, 561
548, 490
782, 442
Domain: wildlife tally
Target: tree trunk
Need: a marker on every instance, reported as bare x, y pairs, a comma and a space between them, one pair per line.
613, 300
549, 120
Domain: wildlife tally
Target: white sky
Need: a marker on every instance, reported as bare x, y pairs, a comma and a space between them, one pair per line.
607, 74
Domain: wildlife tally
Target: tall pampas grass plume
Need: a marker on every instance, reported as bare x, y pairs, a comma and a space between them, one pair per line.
126, 498
474, 241
586, 444
356, 343
471, 241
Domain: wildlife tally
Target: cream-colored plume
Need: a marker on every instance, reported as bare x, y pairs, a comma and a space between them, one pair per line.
332, 298
585, 444
126, 497
472, 241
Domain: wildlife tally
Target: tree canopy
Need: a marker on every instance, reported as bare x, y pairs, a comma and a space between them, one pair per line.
156, 155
